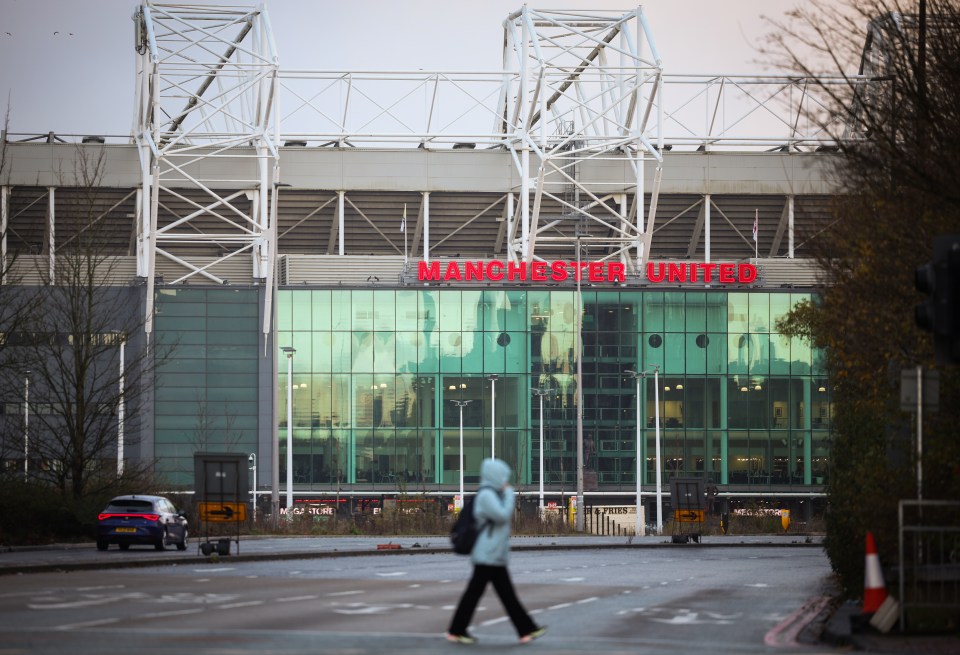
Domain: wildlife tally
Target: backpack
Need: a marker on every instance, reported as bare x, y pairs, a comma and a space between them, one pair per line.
464, 532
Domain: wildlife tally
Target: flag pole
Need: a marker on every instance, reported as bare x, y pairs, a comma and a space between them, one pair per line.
403, 228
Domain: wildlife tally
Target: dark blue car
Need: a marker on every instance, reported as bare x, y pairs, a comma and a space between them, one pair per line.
141, 520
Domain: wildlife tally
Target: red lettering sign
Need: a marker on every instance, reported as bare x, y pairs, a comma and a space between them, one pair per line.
594, 272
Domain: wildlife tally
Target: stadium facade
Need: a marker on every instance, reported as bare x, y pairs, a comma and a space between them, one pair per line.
377, 284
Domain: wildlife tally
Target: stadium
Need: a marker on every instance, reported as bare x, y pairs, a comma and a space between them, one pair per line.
371, 280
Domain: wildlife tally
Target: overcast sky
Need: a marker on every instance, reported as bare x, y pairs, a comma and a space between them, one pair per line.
68, 65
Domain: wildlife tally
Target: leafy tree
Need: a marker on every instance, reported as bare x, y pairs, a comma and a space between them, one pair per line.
897, 185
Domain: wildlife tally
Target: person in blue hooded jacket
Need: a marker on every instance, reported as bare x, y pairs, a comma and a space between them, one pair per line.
493, 511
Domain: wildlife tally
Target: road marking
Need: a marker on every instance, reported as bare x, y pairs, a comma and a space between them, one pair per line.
560, 606
572, 579
88, 602
222, 569
414, 586
344, 593
249, 603
97, 588
392, 575
758, 585
495, 621
86, 624
588, 600
293, 599
160, 615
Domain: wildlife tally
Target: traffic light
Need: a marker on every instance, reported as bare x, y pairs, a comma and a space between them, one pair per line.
940, 314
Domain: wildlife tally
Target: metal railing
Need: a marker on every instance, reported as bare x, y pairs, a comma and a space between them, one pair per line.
929, 563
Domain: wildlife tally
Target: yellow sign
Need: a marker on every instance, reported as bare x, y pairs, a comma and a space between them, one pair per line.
688, 516
223, 512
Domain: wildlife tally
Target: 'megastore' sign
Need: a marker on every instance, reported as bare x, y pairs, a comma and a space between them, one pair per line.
560, 271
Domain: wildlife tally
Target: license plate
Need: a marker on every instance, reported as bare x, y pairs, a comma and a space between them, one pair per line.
125, 530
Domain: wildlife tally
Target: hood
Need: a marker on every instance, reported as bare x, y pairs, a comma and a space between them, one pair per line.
494, 472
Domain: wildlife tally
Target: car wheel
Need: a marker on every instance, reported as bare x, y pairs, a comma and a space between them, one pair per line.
124, 545
182, 544
161, 543
102, 545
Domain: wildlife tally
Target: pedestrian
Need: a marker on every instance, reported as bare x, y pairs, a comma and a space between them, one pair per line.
493, 511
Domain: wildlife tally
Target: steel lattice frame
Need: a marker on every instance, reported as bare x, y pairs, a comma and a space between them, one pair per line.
206, 92
577, 86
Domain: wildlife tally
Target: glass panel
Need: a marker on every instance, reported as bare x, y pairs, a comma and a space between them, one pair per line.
384, 310
321, 350
384, 352
696, 312
760, 354
363, 309
759, 312
737, 315
301, 312
674, 352
320, 310
407, 312
653, 311
362, 349
340, 312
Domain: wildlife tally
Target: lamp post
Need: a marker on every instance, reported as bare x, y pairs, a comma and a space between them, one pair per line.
253, 466
121, 409
578, 517
639, 529
541, 393
290, 351
26, 424
493, 413
461, 404
656, 423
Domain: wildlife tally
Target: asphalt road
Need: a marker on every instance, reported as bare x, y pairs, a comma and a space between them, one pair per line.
722, 598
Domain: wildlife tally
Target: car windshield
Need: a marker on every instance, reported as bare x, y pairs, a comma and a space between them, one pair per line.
129, 506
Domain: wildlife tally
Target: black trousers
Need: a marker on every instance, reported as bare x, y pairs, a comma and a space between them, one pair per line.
500, 578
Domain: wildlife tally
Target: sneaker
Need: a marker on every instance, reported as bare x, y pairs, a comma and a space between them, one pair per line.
460, 639
536, 634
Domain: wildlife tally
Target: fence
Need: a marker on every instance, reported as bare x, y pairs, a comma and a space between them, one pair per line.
929, 564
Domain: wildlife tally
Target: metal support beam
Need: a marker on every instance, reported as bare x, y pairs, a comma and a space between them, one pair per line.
207, 88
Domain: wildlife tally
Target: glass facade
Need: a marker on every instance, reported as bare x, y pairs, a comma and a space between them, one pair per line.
378, 374
206, 395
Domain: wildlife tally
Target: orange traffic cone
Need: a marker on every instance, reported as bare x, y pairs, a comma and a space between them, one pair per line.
874, 589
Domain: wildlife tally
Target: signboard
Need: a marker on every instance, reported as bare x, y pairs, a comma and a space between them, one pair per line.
688, 516
592, 272
222, 512
221, 477
908, 389
687, 493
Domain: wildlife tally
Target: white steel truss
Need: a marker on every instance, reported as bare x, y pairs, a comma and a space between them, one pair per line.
578, 86
206, 132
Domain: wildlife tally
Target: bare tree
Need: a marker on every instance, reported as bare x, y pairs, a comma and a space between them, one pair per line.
80, 336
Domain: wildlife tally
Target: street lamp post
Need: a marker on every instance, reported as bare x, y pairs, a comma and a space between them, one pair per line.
639, 529
253, 467
656, 422
578, 339
290, 351
541, 393
121, 409
26, 424
493, 413
461, 404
